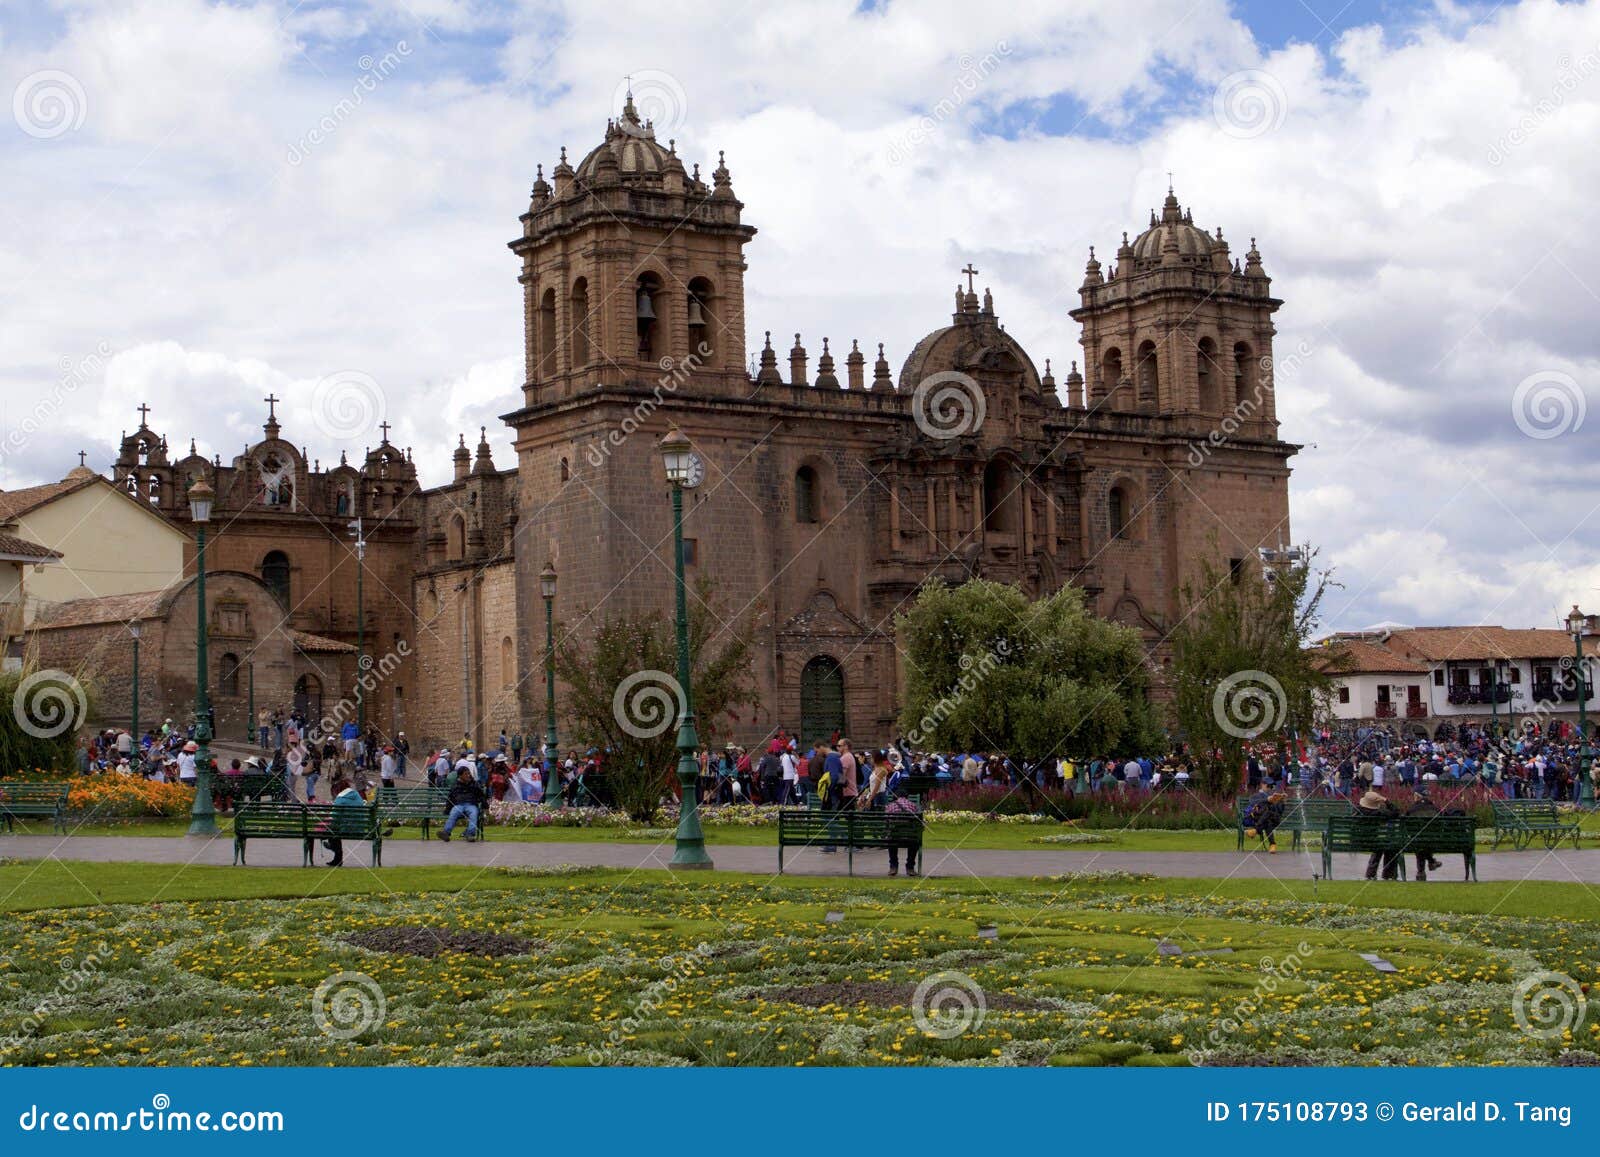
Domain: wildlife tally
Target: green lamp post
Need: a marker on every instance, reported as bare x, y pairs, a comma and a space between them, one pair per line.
361, 629
547, 587
203, 816
135, 628
684, 470
250, 711
1577, 627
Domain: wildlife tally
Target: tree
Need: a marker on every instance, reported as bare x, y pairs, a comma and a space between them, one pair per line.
622, 693
989, 670
1241, 669
41, 712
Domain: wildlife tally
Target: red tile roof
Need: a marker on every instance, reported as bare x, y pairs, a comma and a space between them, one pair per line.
10, 544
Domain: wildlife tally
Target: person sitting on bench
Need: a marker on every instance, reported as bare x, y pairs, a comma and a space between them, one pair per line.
1423, 806
344, 796
1374, 806
1263, 813
466, 801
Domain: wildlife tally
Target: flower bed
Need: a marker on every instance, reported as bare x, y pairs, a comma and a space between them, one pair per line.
126, 796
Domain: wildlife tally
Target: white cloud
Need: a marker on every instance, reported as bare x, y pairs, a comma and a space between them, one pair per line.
1425, 206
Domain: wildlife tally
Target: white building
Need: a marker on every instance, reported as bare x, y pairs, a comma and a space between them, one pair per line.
1420, 679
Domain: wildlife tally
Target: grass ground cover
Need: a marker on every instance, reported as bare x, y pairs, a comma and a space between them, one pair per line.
200, 966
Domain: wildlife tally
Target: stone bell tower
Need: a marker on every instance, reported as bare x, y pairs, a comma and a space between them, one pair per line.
632, 268
1178, 328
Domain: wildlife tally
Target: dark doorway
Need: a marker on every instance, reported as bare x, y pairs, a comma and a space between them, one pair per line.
821, 700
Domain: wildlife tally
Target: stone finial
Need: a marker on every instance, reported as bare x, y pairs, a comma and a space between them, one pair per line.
768, 374
1091, 270
826, 379
855, 366
722, 178
880, 373
797, 363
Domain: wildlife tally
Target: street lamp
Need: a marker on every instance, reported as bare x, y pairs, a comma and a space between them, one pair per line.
684, 470
203, 816
361, 628
1577, 624
547, 588
250, 709
135, 628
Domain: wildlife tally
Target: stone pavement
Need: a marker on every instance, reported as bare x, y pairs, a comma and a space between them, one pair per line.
1535, 864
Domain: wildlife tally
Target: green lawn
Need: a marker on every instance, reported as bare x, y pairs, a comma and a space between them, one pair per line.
197, 965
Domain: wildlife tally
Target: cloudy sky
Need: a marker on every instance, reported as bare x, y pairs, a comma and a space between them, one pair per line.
203, 203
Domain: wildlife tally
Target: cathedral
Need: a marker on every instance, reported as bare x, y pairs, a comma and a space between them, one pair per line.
831, 492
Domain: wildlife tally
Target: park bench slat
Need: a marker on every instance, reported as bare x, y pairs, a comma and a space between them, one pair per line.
278, 820
429, 805
1520, 820
802, 827
1402, 835
34, 799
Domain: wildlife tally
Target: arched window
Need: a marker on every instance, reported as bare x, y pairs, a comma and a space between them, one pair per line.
1149, 390
566, 470
1206, 366
1117, 511
275, 573
807, 508
1241, 372
508, 662
580, 323
456, 539
647, 305
1110, 372
1000, 498
341, 502
821, 700
702, 327
230, 675
308, 697
547, 334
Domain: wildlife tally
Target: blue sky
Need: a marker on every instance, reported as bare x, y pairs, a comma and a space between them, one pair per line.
1420, 179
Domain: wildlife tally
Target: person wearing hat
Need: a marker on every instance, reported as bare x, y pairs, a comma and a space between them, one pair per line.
388, 765
466, 803
1373, 806
186, 768
1263, 813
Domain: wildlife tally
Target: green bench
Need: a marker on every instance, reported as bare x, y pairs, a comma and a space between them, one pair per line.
250, 786
34, 801
804, 828
1433, 835
1521, 820
426, 805
308, 823
1299, 817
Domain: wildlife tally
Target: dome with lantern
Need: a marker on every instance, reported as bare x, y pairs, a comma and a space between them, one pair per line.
631, 144
1174, 231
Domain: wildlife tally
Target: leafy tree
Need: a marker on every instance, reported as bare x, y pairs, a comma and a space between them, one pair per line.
990, 670
1241, 670
622, 695
41, 713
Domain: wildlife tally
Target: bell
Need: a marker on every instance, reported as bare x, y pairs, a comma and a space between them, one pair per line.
697, 313
645, 311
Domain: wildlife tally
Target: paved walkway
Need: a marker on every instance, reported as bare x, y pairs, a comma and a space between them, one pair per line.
1569, 866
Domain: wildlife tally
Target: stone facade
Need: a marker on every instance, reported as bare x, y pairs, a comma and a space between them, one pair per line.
827, 500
